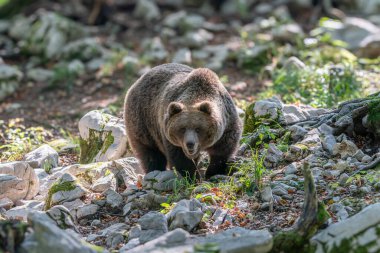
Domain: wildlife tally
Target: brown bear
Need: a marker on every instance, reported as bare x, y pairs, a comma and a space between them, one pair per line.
173, 112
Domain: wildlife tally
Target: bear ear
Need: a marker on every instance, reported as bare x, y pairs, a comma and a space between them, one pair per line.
174, 108
205, 107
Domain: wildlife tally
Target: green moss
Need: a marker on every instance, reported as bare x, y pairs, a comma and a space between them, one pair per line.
57, 187
374, 112
12, 233
252, 122
322, 214
109, 139
291, 241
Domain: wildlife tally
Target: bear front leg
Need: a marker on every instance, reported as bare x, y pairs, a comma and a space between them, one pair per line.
222, 153
151, 158
218, 165
178, 160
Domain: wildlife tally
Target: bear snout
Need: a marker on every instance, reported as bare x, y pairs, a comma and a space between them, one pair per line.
190, 145
190, 142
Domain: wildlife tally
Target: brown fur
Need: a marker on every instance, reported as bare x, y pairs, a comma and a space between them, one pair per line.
174, 106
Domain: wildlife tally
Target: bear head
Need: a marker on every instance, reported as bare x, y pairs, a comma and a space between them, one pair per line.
194, 128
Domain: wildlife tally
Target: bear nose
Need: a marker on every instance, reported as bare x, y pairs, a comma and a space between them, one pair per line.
190, 145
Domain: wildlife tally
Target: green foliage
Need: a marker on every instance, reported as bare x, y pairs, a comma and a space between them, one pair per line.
3, 2
322, 87
20, 139
65, 74
250, 173
167, 207
183, 186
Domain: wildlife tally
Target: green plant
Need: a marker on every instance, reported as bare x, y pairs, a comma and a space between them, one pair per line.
250, 173
20, 139
325, 86
167, 207
183, 186
64, 75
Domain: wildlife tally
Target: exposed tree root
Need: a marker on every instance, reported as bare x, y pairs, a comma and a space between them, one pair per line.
313, 216
369, 166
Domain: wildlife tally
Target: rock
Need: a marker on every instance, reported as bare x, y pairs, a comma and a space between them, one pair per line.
65, 189
177, 240
109, 233
353, 189
240, 240
153, 225
369, 47
366, 159
183, 21
279, 191
343, 179
102, 137
328, 143
85, 211
113, 198
10, 78
44, 157
149, 200
352, 30
62, 217
21, 212
104, 183
345, 148
47, 237
341, 166
83, 50
271, 108
287, 32
217, 55
342, 214
73, 205
46, 33
274, 155
359, 154
147, 10
365, 189
186, 214
39, 74
354, 233
115, 239
297, 132
296, 152
6, 203
18, 181
160, 180
312, 138
293, 63
291, 169
183, 55
133, 243
219, 217
155, 50
196, 39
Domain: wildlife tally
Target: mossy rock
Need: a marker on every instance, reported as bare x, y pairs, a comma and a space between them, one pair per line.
57, 187
252, 122
94, 145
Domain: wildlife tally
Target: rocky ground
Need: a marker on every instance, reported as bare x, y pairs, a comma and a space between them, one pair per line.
68, 181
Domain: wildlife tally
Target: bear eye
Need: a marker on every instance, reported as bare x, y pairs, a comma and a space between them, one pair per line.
197, 130
182, 129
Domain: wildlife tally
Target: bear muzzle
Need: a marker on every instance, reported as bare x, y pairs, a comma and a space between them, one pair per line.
190, 144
